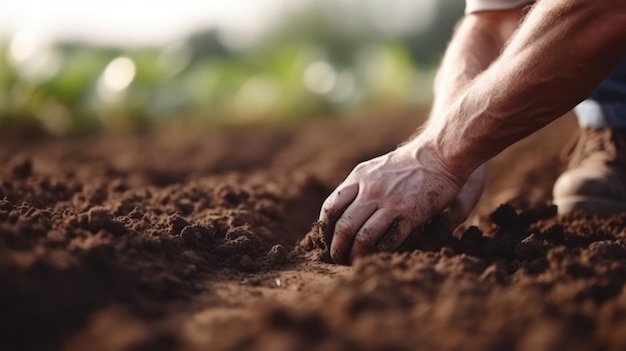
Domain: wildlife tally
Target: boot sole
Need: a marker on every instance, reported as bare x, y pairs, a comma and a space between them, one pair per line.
592, 205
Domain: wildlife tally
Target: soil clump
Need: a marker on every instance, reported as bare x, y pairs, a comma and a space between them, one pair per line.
205, 241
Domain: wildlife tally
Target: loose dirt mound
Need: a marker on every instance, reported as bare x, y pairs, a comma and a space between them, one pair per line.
194, 242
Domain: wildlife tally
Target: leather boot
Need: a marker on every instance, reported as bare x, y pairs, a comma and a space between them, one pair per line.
595, 180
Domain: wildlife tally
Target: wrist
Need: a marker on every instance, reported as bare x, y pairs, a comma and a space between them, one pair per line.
461, 140
425, 151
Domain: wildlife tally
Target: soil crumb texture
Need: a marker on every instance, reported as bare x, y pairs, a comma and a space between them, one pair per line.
206, 241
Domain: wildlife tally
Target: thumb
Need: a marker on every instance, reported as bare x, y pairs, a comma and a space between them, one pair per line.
457, 213
467, 198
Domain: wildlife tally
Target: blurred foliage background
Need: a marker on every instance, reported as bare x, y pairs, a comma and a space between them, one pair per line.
319, 59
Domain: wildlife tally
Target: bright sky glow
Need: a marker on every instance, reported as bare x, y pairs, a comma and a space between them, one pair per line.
131, 22
161, 22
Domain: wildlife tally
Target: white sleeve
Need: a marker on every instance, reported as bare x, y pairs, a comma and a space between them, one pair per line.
483, 5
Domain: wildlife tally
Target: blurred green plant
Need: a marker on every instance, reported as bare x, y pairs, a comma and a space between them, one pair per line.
323, 60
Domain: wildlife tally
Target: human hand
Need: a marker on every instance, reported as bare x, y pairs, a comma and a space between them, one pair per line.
467, 198
391, 194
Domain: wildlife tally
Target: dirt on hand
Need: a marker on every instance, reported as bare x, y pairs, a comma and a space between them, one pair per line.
205, 241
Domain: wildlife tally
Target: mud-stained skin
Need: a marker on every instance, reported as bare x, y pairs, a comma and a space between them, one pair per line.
392, 238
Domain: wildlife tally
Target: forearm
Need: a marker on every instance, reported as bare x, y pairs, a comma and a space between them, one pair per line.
562, 51
477, 42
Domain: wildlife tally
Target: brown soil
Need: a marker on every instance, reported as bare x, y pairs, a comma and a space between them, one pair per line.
196, 241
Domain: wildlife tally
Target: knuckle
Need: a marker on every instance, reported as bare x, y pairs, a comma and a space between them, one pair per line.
360, 167
327, 205
374, 189
343, 227
324, 217
364, 239
330, 200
